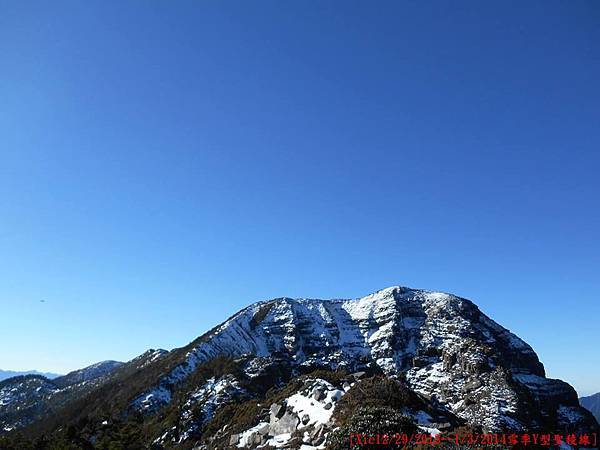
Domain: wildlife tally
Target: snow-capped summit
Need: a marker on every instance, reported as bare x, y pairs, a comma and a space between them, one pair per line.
443, 345
290, 372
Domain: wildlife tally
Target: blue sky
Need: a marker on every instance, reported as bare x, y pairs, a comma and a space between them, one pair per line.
164, 164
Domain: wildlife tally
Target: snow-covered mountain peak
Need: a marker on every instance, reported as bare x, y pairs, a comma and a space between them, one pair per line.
438, 341
457, 363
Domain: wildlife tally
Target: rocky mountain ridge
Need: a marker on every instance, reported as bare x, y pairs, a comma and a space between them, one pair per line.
444, 346
251, 381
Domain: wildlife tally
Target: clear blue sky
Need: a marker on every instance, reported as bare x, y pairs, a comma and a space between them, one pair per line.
163, 164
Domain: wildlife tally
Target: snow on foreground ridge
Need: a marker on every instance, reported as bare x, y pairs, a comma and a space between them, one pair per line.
309, 409
307, 415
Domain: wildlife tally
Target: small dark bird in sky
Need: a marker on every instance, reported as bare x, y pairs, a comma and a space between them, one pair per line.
42, 301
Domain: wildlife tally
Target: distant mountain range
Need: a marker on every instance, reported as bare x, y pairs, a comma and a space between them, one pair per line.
304, 374
29, 397
592, 403
4, 374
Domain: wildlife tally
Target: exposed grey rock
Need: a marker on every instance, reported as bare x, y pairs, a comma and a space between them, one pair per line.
317, 435
264, 429
277, 411
357, 375
256, 438
234, 439
288, 423
442, 426
318, 394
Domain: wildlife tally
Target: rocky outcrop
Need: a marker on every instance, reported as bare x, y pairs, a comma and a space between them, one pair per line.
306, 418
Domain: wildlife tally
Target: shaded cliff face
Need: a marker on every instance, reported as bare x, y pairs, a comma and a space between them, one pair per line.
442, 345
592, 404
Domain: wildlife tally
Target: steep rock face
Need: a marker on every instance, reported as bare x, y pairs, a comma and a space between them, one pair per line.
443, 345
